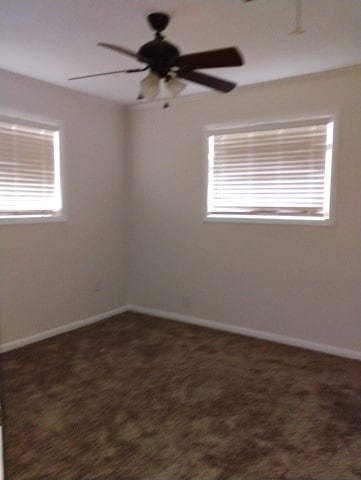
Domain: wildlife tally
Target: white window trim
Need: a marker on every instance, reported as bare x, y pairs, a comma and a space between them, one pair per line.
332, 115
26, 119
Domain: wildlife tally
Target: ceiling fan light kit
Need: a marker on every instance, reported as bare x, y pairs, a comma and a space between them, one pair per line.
150, 86
165, 62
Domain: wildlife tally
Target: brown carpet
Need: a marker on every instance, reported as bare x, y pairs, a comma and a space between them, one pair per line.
136, 397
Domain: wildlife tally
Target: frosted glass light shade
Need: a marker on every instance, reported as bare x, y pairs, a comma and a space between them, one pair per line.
175, 86
149, 86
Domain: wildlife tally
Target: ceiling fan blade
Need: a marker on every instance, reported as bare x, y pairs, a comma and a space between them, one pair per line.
118, 49
224, 57
207, 80
110, 73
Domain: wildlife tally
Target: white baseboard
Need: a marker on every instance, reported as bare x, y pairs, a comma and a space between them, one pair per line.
250, 332
62, 329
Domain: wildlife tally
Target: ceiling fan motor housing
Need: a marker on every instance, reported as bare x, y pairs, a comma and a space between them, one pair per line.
160, 55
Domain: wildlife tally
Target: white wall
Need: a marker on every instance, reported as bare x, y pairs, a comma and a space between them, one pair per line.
48, 272
299, 281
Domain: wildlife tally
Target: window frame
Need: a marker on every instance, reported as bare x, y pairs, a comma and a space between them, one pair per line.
264, 123
33, 121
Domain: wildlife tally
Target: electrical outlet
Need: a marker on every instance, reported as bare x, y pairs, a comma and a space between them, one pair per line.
98, 286
187, 301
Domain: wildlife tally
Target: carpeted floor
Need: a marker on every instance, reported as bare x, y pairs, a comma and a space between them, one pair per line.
140, 398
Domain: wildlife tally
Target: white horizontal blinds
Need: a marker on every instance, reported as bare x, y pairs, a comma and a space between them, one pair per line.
27, 170
279, 171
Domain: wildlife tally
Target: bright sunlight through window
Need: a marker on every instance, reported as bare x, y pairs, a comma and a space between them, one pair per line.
274, 172
30, 180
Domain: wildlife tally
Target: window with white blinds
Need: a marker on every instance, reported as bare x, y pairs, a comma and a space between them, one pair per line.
29, 171
271, 172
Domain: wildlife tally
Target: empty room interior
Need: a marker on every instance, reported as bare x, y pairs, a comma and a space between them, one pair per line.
180, 239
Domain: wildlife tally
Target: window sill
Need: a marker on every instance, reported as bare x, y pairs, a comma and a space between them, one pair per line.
289, 220
26, 219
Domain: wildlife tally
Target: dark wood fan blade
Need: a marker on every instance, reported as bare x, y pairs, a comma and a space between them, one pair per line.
224, 57
118, 49
109, 73
207, 80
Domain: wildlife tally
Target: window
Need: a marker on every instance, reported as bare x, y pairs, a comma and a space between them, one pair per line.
30, 184
274, 172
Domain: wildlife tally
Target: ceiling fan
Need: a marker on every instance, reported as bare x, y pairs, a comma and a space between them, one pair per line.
164, 62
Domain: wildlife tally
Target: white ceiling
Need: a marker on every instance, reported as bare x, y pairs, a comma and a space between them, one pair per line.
53, 40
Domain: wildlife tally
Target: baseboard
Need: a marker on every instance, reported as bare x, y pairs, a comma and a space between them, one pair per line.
62, 329
250, 332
